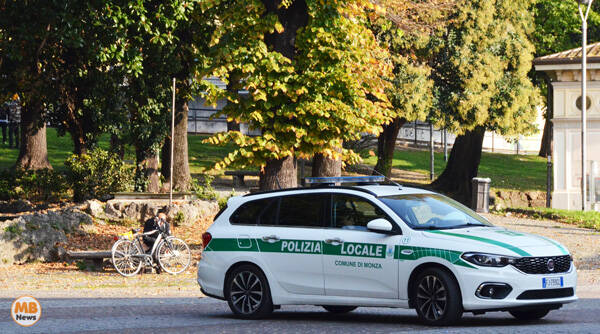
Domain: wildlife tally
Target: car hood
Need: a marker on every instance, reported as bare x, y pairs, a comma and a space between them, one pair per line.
500, 241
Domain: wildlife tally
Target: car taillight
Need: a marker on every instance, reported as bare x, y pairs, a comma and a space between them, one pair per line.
206, 238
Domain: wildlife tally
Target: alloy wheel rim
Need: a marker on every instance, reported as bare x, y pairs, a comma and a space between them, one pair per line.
431, 297
246, 292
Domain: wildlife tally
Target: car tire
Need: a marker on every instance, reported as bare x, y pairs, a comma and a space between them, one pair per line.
338, 309
247, 292
437, 298
529, 315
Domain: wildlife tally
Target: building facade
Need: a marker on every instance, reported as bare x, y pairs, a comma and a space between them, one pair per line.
563, 71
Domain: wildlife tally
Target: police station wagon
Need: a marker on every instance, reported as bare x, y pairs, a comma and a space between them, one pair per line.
377, 245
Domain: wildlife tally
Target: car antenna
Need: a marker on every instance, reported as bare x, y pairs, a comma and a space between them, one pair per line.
387, 178
277, 180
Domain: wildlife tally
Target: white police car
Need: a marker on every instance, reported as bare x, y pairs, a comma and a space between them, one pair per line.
377, 245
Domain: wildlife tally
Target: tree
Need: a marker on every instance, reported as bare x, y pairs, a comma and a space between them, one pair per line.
28, 35
313, 72
405, 30
557, 28
481, 78
165, 40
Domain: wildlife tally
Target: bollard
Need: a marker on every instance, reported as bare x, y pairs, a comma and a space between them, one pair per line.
481, 194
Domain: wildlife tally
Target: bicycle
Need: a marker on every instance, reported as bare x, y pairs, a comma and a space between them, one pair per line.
170, 253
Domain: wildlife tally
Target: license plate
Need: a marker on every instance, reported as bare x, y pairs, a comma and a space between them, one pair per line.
552, 282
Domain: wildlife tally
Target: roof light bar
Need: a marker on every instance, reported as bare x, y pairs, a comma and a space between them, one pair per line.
344, 179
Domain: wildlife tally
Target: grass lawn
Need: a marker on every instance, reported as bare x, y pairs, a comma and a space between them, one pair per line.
517, 172
587, 219
507, 171
201, 156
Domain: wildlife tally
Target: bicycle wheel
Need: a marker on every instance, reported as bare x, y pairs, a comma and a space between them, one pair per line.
173, 255
126, 257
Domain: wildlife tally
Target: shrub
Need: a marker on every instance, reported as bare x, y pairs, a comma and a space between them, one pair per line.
35, 185
97, 174
205, 190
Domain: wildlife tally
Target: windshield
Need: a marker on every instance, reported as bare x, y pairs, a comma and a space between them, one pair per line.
433, 211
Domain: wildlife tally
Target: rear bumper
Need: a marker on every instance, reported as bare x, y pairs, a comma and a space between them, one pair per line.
211, 274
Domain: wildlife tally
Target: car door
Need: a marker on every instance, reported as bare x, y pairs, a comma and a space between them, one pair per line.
358, 262
292, 247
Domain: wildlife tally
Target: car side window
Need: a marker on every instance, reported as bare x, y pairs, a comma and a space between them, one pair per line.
259, 212
302, 210
353, 213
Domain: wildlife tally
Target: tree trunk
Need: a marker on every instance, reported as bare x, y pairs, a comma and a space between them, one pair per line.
181, 168
279, 174
33, 152
151, 172
116, 146
386, 144
146, 172
79, 144
233, 87
462, 166
165, 160
291, 18
547, 138
324, 166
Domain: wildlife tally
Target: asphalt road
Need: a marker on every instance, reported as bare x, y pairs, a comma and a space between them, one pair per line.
205, 315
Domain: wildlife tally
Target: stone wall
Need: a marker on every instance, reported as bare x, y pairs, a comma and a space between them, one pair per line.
33, 237
180, 212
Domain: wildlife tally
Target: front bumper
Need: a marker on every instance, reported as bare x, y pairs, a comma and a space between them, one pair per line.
470, 279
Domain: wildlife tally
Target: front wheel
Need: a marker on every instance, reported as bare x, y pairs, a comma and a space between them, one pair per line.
529, 315
339, 309
437, 298
126, 257
173, 255
247, 293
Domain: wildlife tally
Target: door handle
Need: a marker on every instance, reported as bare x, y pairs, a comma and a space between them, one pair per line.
334, 241
270, 238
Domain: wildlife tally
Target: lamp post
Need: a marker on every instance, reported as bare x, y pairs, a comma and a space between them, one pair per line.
584, 9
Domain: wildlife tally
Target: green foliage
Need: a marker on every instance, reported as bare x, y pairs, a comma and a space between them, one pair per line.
558, 26
97, 174
205, 189
587, 219
81, 265
13, 229
35, 185
179, 218
223, 200
481, 71
331, 91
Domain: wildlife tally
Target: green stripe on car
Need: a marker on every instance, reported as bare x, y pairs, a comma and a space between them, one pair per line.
486, 240
415, 253
353, 249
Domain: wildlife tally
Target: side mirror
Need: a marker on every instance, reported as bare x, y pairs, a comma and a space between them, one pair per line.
380, 225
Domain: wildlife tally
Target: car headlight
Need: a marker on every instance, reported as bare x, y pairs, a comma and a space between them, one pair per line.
488, 260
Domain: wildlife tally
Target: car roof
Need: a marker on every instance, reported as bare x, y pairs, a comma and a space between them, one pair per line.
391, 190
376, 190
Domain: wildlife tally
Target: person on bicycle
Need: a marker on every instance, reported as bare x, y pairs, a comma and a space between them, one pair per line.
158, 224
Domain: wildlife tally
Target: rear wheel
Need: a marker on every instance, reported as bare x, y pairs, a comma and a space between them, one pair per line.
247, 293
529, 315
339, 309
437, 297
126, 257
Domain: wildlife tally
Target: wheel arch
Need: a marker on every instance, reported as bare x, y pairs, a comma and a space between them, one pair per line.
419, 269
241, 263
